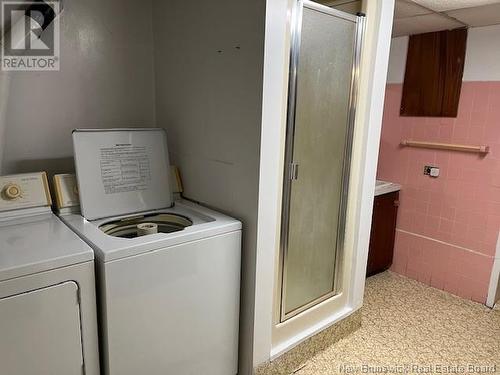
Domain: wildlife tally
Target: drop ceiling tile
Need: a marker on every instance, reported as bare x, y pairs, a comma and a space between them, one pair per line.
478, 16
423, 24
407, 8
445, 5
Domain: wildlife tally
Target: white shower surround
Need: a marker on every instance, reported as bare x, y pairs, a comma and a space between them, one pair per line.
271, 339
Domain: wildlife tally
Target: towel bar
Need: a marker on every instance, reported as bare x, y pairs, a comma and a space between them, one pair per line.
482, 149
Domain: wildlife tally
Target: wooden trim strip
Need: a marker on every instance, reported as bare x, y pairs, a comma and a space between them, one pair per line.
481, 149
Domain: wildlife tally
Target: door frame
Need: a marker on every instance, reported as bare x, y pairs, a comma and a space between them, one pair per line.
289, 166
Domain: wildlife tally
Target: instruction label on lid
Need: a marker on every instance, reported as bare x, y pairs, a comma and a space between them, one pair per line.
125, 168
122, 171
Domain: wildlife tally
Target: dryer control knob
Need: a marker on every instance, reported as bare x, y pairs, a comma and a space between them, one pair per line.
12, 191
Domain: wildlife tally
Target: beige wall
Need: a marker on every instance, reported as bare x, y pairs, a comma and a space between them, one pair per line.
106, 80
209, 61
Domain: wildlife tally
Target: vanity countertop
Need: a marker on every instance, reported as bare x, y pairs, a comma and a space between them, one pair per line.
385, 187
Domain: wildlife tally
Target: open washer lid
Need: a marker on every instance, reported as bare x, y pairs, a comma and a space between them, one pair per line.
121, 171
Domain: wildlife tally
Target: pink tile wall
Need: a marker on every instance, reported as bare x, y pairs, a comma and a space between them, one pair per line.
448, 226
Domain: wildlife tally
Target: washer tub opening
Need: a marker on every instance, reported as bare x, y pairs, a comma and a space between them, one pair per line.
127, 228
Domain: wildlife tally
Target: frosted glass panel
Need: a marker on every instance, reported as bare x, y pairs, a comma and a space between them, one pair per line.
324, 75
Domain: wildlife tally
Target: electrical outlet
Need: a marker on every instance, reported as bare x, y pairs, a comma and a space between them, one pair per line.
431, 171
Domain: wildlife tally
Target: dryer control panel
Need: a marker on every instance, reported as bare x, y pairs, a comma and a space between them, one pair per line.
24, 191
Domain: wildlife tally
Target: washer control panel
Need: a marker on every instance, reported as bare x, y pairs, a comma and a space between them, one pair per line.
66, 191
24, 191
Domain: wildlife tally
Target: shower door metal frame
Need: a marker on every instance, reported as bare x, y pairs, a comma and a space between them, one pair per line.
290, 168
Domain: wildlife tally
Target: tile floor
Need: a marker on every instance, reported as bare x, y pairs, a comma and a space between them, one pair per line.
408, 327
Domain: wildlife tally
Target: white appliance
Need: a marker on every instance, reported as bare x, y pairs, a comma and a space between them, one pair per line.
48, 323
169, 301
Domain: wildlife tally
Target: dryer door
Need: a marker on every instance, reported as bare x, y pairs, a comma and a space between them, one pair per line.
40, 332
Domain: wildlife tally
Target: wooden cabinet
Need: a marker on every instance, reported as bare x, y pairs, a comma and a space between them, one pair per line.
433, 76
383, 233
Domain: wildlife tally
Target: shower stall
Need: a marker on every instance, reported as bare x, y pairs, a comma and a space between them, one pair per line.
324, 66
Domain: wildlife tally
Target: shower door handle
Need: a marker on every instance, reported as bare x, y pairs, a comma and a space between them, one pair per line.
294, 171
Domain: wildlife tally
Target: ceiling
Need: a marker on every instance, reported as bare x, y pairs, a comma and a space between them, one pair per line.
421, 16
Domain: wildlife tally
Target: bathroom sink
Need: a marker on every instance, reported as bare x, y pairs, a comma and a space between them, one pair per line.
386, 187
381, 183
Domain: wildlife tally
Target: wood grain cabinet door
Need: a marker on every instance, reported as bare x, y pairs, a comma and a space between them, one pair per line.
433, 76
383, 233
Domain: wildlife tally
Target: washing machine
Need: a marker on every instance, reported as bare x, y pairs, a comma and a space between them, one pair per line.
168, 272
48, 323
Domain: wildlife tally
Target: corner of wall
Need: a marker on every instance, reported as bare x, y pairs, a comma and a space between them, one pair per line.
270, 180
365, 151
494, 289
397, 59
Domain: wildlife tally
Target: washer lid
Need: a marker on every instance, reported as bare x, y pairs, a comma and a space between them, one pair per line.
121, 171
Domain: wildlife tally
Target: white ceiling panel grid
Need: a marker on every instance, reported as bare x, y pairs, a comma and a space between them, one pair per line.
423, 24
445, 5
407, 8
478, 16
422, 16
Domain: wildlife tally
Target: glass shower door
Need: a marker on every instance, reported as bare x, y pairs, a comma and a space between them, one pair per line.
321, 113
